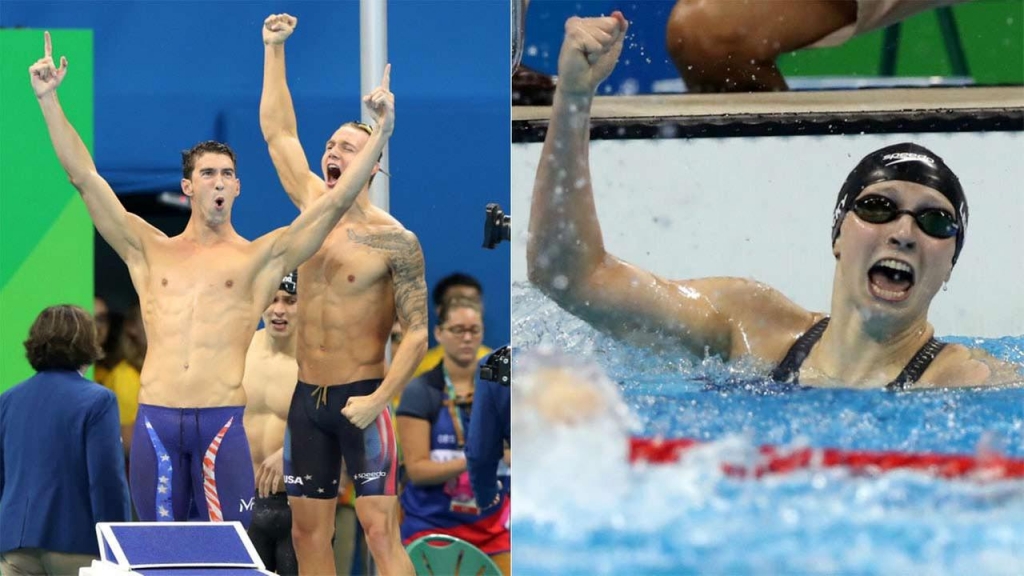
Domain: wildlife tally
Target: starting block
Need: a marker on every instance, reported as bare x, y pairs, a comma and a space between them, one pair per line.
174, 549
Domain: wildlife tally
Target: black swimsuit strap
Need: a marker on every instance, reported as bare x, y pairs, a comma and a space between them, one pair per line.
917, 365
788, 370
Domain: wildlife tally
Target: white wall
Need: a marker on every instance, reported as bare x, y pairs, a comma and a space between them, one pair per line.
762, 207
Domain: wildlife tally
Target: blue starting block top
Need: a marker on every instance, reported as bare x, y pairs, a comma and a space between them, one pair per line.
200, 572
175, 549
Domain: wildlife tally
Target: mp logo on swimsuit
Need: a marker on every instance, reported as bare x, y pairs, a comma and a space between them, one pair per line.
293, 480
369, 476
900, 157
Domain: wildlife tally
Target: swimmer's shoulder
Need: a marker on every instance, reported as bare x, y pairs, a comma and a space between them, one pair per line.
378, 218
384, 226
959, 366
769, 321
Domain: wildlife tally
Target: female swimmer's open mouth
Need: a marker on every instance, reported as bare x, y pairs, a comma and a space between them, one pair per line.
333, 173
891, 280
279, 324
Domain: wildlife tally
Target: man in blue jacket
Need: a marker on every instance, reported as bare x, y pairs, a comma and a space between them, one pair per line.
61, 459
490, 427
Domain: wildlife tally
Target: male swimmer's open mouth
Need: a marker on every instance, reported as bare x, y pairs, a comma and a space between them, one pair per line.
279, 324
891, 280
219, 202
333, 173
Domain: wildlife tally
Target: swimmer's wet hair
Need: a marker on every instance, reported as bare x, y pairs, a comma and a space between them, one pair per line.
189, 157
62, 337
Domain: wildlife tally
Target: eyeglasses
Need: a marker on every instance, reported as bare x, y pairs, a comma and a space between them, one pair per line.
462, 330
934, 222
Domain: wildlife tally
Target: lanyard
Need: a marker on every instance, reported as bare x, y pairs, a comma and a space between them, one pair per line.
454, 409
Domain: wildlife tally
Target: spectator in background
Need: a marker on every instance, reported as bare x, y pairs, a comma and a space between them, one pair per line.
723, 46
61, 459
102, 317
487, 445
452, 285
124, 378
396, 338
433, 417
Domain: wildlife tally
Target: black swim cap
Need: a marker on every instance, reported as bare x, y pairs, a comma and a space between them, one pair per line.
910, 163
290, 283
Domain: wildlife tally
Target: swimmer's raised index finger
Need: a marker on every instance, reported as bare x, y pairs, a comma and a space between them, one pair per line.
47, 45
385, 82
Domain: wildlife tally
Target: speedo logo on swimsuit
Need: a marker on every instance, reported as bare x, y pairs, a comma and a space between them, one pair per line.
293, 480
899, 157
369, 476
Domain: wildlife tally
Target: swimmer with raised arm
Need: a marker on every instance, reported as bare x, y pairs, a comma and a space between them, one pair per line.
898, 228
368, 273
201, 294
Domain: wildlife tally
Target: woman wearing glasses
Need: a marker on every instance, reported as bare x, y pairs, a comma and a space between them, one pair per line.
433, 418
898, 228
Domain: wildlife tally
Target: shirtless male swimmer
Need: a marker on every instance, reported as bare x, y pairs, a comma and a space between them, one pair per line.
368, 272
201, 294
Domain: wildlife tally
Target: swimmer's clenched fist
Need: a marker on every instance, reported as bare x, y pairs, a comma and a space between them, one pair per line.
278, 27
45, 76
590, 51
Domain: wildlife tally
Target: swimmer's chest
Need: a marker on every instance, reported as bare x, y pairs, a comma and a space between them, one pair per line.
224, 274
347, 260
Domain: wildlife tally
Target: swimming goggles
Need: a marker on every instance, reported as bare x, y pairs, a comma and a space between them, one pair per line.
934, 222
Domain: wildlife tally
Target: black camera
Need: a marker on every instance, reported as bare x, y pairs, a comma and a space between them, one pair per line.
496, 226
498, 366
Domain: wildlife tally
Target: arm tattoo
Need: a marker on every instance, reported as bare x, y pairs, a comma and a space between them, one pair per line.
406, 261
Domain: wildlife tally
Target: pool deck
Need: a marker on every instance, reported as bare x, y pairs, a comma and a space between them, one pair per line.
835, 102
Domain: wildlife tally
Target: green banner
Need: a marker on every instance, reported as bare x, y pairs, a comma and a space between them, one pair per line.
990, 34
46, 236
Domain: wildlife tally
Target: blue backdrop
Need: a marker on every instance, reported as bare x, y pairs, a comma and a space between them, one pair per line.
170, 74
644, 60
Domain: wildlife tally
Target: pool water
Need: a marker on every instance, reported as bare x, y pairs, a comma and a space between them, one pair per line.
582, 509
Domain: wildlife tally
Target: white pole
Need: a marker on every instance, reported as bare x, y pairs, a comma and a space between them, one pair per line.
518, 32
373, 55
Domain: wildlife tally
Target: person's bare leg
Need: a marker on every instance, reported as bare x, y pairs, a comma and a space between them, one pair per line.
312, 529
731, 45
378, 516
344, 539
